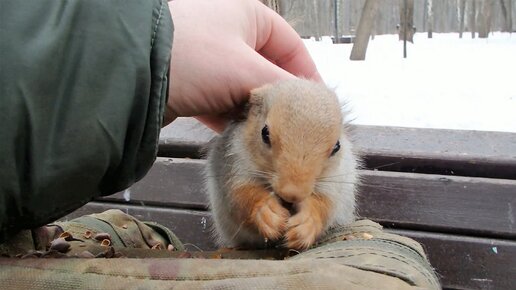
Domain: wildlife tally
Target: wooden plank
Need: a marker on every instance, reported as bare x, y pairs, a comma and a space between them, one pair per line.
462, 262
469, 263
467, 205
453, 152
475, 206
170, 182
438, 151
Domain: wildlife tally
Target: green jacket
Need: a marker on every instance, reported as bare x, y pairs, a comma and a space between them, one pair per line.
83, 85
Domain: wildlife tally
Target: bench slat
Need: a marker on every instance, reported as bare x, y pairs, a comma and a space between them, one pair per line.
469, 263
466, 205
462, 262
439, 151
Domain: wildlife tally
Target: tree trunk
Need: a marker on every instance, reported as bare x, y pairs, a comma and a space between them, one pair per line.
430, 17
336, 8
462, 9
489, 14
473, 17
507, 15
406, 26
285, 7
365, 25
317, 23
484, 18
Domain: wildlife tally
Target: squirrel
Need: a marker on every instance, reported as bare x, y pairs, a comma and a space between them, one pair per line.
284, 174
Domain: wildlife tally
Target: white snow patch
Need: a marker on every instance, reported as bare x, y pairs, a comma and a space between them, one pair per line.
446, 82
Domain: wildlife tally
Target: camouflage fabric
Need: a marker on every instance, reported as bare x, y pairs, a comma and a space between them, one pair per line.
83, 91
95, 235
358, 256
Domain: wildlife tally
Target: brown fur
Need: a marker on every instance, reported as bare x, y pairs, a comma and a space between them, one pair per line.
297, 164
261, 210
305, 122
310, 221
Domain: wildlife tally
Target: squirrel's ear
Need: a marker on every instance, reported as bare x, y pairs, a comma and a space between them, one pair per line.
257, 100
256, 97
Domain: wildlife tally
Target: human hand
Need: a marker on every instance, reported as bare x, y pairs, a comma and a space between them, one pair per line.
223, 49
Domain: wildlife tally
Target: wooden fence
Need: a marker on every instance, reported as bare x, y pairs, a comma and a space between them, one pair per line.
319, 17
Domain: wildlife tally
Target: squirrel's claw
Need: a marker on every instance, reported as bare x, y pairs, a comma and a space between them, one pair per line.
271, 218
308, 223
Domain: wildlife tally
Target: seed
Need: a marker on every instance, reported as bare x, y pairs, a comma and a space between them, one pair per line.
216, 256
367, 236
348, 237
170, 247
124, 226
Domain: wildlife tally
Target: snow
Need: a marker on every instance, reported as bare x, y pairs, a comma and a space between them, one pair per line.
445, 82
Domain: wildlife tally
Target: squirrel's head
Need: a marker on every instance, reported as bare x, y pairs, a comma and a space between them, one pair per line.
292, 131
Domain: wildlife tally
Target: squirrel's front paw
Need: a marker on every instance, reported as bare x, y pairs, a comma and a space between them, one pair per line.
307, 224
270, 217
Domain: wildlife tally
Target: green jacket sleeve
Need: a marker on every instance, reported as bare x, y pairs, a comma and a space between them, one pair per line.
83, 87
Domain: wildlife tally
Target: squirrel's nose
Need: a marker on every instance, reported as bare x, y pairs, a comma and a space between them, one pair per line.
293, 193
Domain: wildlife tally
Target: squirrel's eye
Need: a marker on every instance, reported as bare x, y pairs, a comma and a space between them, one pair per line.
265, 135
336, 148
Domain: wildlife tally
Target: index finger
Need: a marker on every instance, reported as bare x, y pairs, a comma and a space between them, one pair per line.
280, 43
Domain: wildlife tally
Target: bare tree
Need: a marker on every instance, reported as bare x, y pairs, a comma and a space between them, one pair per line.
314, 18
507, 15
365, 25
489, 14
430, 17
406, 26
473, 17
462, 11
336, 18
484, 18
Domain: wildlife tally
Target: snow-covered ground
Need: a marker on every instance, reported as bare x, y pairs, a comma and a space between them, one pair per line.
445, 82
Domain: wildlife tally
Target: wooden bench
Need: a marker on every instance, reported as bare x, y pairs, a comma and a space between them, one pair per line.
453, 191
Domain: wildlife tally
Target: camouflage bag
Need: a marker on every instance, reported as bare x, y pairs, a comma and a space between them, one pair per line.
358, 256
95, 235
